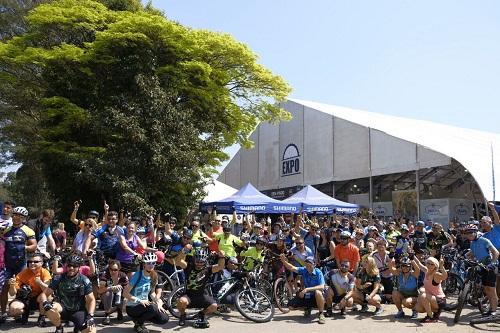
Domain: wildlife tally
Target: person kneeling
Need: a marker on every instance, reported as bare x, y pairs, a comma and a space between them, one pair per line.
341, 287
77, 302
144, 296
198, 275
27, 287
313, 293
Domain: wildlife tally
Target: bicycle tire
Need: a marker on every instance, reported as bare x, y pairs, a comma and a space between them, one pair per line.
172, 304
452, 288
282, 294
266, 287
256, 298
462, 298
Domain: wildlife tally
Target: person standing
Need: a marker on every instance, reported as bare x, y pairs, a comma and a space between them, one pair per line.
19, 239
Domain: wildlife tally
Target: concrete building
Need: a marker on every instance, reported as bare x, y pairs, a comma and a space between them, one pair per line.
393, 165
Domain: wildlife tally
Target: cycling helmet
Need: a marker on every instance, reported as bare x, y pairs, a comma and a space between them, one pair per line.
282, 237
226, 227
405, 261
260, 240
345, 233
471, 228
21, 211
201, 255
187, 233
93, 213
150, 258
141, 230
74, 260
257, 225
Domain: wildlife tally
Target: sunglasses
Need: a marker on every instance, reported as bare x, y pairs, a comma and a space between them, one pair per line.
299, 243
88, 225
405, 266
344, 238
72, 266
34, 261
189, 238
430, 263
195, 226
150, 263
114, 269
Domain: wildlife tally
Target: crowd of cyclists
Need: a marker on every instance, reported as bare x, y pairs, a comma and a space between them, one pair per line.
135, 265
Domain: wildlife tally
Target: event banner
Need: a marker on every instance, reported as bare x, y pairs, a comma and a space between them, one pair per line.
404, 204
436, 210
382, 209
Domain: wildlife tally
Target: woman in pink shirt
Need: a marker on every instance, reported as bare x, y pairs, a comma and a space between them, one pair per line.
432, 300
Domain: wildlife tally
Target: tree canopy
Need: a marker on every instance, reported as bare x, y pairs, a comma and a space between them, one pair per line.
114, 101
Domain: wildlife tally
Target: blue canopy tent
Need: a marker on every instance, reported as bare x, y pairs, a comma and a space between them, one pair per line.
247, 200
313, 200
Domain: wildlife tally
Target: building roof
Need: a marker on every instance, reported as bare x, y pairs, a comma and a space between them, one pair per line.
477, 151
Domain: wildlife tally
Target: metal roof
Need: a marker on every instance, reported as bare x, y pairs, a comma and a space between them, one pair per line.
477, 151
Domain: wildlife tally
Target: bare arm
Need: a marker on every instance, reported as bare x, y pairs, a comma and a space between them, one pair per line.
73, 213
31, 245
90, 303
496, 219
287, 265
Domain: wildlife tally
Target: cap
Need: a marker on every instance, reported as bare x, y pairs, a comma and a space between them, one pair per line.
404, 227
310, 260
257, 225
372, 228
420, 224
233, 260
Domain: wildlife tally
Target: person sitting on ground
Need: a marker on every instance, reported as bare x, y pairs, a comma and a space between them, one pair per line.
198, 275
313, 293
406, 291
433, 300
143, 294
368, 286
111, 285
27, 287
341, 287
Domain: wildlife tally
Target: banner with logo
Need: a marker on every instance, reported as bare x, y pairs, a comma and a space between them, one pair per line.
461, 209
382, 209
436, 210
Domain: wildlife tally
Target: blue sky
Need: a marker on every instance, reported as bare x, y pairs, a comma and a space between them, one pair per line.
433, 60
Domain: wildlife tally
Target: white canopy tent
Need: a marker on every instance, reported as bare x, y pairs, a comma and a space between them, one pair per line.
217, 191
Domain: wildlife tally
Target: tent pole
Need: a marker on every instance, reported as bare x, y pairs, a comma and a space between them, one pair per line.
417, 188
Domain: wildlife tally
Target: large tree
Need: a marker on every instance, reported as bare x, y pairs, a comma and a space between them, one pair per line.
117, 102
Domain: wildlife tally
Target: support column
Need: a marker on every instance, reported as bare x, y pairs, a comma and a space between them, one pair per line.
371, 194
333, 189
417, 186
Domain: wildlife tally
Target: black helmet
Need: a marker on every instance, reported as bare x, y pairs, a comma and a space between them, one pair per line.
74, 260
201, 255
260, 240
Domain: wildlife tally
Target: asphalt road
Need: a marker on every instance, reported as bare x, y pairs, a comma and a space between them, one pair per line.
294, 322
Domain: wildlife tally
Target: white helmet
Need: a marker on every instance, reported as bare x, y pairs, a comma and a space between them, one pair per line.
21, 211
150, 258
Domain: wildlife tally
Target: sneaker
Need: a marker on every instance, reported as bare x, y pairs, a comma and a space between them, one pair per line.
329, 312
436, 315
400, 314
378, 311
321, 318
41, 321
354, 308
307, 312
364, 308
489, 314
3, 318
107, 320
428, 319
59, 329
119, 315
342, 313
182, 320
414, 314
142, 329
136, 327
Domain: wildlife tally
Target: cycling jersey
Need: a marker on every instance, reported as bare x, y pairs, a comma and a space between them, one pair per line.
109, 238
494, 236
71, 291
252, 255
407, 286
364, 277
197, 279
15, 246
340, 284
402, 245
480, 249
300, 257
226, 244
419, 239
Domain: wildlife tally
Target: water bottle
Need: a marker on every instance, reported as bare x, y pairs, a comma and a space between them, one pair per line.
117, 298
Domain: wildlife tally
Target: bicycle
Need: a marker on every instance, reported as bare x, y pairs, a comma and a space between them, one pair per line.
473, 290
251, 303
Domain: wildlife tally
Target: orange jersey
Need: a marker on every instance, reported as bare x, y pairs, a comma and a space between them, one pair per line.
28, 277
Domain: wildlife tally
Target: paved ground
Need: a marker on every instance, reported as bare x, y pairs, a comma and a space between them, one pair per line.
294, 323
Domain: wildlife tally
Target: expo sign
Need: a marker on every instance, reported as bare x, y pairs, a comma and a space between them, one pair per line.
290, 161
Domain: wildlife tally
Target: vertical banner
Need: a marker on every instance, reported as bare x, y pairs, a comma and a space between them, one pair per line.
404, 204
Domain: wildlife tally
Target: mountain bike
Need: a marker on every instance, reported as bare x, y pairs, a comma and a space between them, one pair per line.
252, 303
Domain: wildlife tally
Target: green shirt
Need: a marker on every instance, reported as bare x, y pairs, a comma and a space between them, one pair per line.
226, 244
252, 255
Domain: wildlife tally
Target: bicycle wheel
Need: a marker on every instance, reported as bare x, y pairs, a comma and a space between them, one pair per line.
461, 302
483, 303
254, 305
452, 288
172, 304
282, 294
167, 285
266, 287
